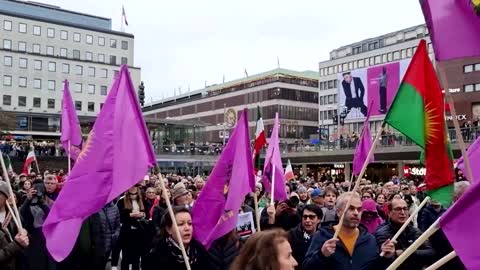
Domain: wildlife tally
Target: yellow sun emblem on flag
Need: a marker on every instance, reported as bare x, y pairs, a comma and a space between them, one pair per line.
88, 144
433, 125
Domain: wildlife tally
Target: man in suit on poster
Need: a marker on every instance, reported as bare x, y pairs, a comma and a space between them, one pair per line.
354, 93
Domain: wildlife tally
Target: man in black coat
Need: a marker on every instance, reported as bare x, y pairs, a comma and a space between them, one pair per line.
300, 237
398, 215
354, 93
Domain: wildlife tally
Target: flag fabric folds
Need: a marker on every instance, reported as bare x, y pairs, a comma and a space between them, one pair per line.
215, 212
460, 224
289, 172
27, 165
260, 140
417, 111
273, 159
363, 147
473, 155
454, 28
71, 131
124, 16
104, 168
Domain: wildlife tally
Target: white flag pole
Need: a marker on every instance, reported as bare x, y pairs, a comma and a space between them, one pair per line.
272, 202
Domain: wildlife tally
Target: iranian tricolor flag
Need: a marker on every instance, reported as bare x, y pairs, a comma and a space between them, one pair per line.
260, 140
28, 162
418, 112
289, 172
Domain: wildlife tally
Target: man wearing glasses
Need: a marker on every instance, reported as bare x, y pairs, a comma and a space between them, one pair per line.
398, 215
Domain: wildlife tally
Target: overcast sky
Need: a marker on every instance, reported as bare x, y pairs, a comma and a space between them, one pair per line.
185, 43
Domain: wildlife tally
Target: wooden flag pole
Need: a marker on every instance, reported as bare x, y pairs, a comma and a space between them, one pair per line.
174, 220
442, 261
458, 133
413, 247
10, 191
15, 219
357, 183
404, 226
257, 215
272, 202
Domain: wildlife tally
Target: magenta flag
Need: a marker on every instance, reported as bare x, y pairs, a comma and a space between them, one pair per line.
274, 159
473, 154
461, 224
215, 212
71, 131
454, 28
116, 156
363, 146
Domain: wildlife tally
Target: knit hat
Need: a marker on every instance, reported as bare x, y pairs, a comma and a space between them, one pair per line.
179, 190
4, 188
301, 189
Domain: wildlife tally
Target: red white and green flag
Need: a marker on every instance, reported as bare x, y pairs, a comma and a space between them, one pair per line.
28, 162
289, 172
418, 113
260, 140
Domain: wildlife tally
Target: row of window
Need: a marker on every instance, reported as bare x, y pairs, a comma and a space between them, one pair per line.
328, 99
51, 85
471, 87
371, 61
63, 52
37, 103
51, 33
471, 68
328, 85
327, 115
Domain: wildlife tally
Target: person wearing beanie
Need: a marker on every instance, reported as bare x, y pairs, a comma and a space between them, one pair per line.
180, 195
303, 195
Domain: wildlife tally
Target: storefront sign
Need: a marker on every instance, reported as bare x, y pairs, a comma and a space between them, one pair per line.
417, 171
460, 117
339, 166
452, 90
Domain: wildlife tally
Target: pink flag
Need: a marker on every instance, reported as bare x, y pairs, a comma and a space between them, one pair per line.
116, 156
363, 146
70, 126
273, 158
473, 155
216, 210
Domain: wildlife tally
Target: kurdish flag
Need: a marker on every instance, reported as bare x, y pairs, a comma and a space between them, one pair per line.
418, 113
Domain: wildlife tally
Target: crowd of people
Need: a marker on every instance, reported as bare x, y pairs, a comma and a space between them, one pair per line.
135, 230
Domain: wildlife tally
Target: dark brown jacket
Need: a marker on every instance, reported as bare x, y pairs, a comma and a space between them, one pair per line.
9, 251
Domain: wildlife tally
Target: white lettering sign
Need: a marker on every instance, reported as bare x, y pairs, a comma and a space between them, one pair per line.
452, 90
460, 117
418, 171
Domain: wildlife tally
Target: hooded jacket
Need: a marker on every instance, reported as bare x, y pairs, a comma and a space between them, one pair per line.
372, 225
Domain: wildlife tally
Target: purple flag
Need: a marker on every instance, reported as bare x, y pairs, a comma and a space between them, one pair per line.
273, 158
70, 125
363, 146
116, 156
215, 212
461, 223
473, 155
454, 28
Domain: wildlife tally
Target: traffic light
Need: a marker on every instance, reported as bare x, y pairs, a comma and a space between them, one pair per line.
141, 94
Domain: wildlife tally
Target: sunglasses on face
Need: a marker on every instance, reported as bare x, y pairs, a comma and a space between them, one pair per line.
311, 217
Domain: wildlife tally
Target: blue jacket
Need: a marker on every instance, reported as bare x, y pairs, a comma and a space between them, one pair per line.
365, 254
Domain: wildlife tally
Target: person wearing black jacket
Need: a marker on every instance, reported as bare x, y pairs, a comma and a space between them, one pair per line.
355, 249
283, 216
398, 215
224, 250
300, 237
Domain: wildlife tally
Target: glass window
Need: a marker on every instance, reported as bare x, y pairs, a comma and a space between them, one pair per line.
340, 68
396, 55
91, 89
384, 58
37, 102
7, 61
113, 43
378, 59
89, 39
468, 88
22, 101
50, 50
103, 90
52, 66
65, 68
477, 87
468, 68
63, 35
51, 103
330, 99
78, 105
79, 70
22, 28
404, 53
409, 52
350, 65
22, 46
477, 67
23, 63
124, 61
101, 58
36, 48
124, 45
345, 67
361, 63
7, 44
355, 66
115, 73
50, 32
7, 80
371, 61
113, 60
63, 52
76, 37
7, 100
78, 88
91, 106
7, 25
76, 54
101, 41
389, 57
103, 73
88, 56
51, 85
91, 71
37, 30
37, 83
22, 81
